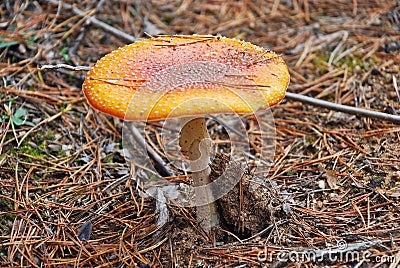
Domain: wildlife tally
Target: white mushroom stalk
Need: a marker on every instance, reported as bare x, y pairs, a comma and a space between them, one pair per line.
196, 143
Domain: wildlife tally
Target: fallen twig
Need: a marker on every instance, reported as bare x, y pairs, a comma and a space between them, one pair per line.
396, 88
161, 166
64, 66
343, 108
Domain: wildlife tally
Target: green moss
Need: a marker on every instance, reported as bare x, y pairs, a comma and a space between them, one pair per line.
355, 59
40, 150
291, 172
62, 154
350, 61
320, 63
10, 216
5, 204
310, 139
50, 135
37, 152
39, 138
2, 156
109, 158
64, 54
37, 183
314, 120
167, 18
355, 190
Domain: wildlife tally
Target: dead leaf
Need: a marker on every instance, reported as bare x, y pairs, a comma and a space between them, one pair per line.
331, 179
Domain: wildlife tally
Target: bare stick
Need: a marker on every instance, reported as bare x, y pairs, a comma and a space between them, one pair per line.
64, 66
161, 165
396, 88
343, 108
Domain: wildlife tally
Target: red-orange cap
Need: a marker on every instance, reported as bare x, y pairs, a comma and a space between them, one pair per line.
176, 76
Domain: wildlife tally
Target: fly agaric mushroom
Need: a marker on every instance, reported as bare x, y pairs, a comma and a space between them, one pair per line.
158, 78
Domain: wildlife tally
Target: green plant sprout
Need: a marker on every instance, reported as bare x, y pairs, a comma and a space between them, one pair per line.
16, 119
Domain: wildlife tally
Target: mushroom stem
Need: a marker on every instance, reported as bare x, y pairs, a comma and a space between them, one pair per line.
196, 142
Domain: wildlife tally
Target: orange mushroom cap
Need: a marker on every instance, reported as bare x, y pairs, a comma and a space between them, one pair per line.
157, 78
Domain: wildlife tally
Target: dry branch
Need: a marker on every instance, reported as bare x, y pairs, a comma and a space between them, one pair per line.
344, 108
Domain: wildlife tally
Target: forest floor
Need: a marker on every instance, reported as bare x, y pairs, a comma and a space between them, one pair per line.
330, 198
